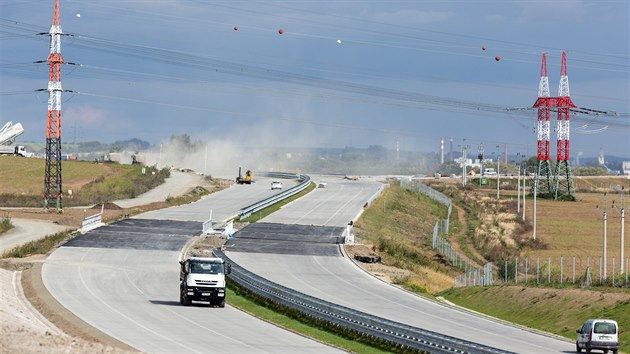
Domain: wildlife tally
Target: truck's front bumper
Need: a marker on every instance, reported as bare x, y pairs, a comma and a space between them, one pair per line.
205, 294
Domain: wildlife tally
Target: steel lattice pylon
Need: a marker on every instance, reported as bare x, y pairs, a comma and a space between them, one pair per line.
544, 103
563, 177
52, 174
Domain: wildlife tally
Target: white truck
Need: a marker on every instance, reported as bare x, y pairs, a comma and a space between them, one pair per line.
17, 150
203, 279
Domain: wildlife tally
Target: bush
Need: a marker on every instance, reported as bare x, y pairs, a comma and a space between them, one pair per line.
5, 224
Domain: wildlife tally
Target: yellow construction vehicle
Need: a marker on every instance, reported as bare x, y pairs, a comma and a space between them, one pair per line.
246, 180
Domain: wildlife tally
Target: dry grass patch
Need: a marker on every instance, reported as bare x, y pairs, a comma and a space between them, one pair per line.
25, 175
398, 226
576, 228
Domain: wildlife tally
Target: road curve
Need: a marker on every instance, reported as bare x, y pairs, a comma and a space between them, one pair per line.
223, 204
26, 230
124, 280
337, 279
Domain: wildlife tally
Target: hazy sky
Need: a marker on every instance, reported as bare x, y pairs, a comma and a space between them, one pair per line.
343, 73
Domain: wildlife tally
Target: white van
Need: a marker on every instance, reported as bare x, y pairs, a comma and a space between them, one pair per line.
598, 334
489, 172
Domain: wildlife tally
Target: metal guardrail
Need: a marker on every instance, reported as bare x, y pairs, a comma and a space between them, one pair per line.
92, 222
344, 317
304, 182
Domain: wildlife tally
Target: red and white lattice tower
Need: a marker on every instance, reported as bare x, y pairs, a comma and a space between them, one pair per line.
544, 177
563, 178
52, 174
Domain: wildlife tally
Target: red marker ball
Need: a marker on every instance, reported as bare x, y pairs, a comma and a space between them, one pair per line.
236, 28
497, 58
280, 31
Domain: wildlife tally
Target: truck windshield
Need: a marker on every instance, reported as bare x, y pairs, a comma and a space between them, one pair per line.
206, 268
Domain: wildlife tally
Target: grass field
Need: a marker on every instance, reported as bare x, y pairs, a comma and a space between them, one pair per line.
84, 182
26, 176
576, 228
559, 311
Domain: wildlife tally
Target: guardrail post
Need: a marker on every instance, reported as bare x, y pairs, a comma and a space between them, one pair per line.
348, 236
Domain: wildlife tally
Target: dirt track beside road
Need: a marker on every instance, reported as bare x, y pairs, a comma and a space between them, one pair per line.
34, 322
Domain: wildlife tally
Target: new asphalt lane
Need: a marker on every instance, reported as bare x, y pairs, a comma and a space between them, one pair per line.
332, 277
124, 280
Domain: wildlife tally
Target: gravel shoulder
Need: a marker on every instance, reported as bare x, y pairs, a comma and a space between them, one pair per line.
34, 322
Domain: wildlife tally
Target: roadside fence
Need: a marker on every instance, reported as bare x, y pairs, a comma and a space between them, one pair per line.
585, 271
418, 186
474, 275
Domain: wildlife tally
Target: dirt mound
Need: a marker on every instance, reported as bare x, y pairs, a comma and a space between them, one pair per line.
108, 206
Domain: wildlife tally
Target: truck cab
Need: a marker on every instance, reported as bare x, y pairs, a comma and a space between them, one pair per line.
203, 279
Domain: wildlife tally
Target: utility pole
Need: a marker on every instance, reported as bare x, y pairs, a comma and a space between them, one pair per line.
535, 192
464, 166
605, 214
518, 191
623, 215
524, 194
480, 156
498, 173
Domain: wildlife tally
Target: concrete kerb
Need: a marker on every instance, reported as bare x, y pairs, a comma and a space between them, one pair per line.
453, 306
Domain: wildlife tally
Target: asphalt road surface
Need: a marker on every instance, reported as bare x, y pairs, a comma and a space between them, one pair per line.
335, 205
177, 184
26, 230
223, 204
124, 280
332, 277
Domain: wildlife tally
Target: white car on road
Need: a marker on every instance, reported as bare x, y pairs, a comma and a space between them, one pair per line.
276, 185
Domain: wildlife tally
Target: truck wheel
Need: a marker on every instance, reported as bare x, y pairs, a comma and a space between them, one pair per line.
221, 303
184, 299
577, 347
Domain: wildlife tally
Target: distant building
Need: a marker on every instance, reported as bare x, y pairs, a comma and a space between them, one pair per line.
459, 160
626, 168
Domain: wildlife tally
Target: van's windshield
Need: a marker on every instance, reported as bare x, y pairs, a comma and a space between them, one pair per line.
605, 328
206, 268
